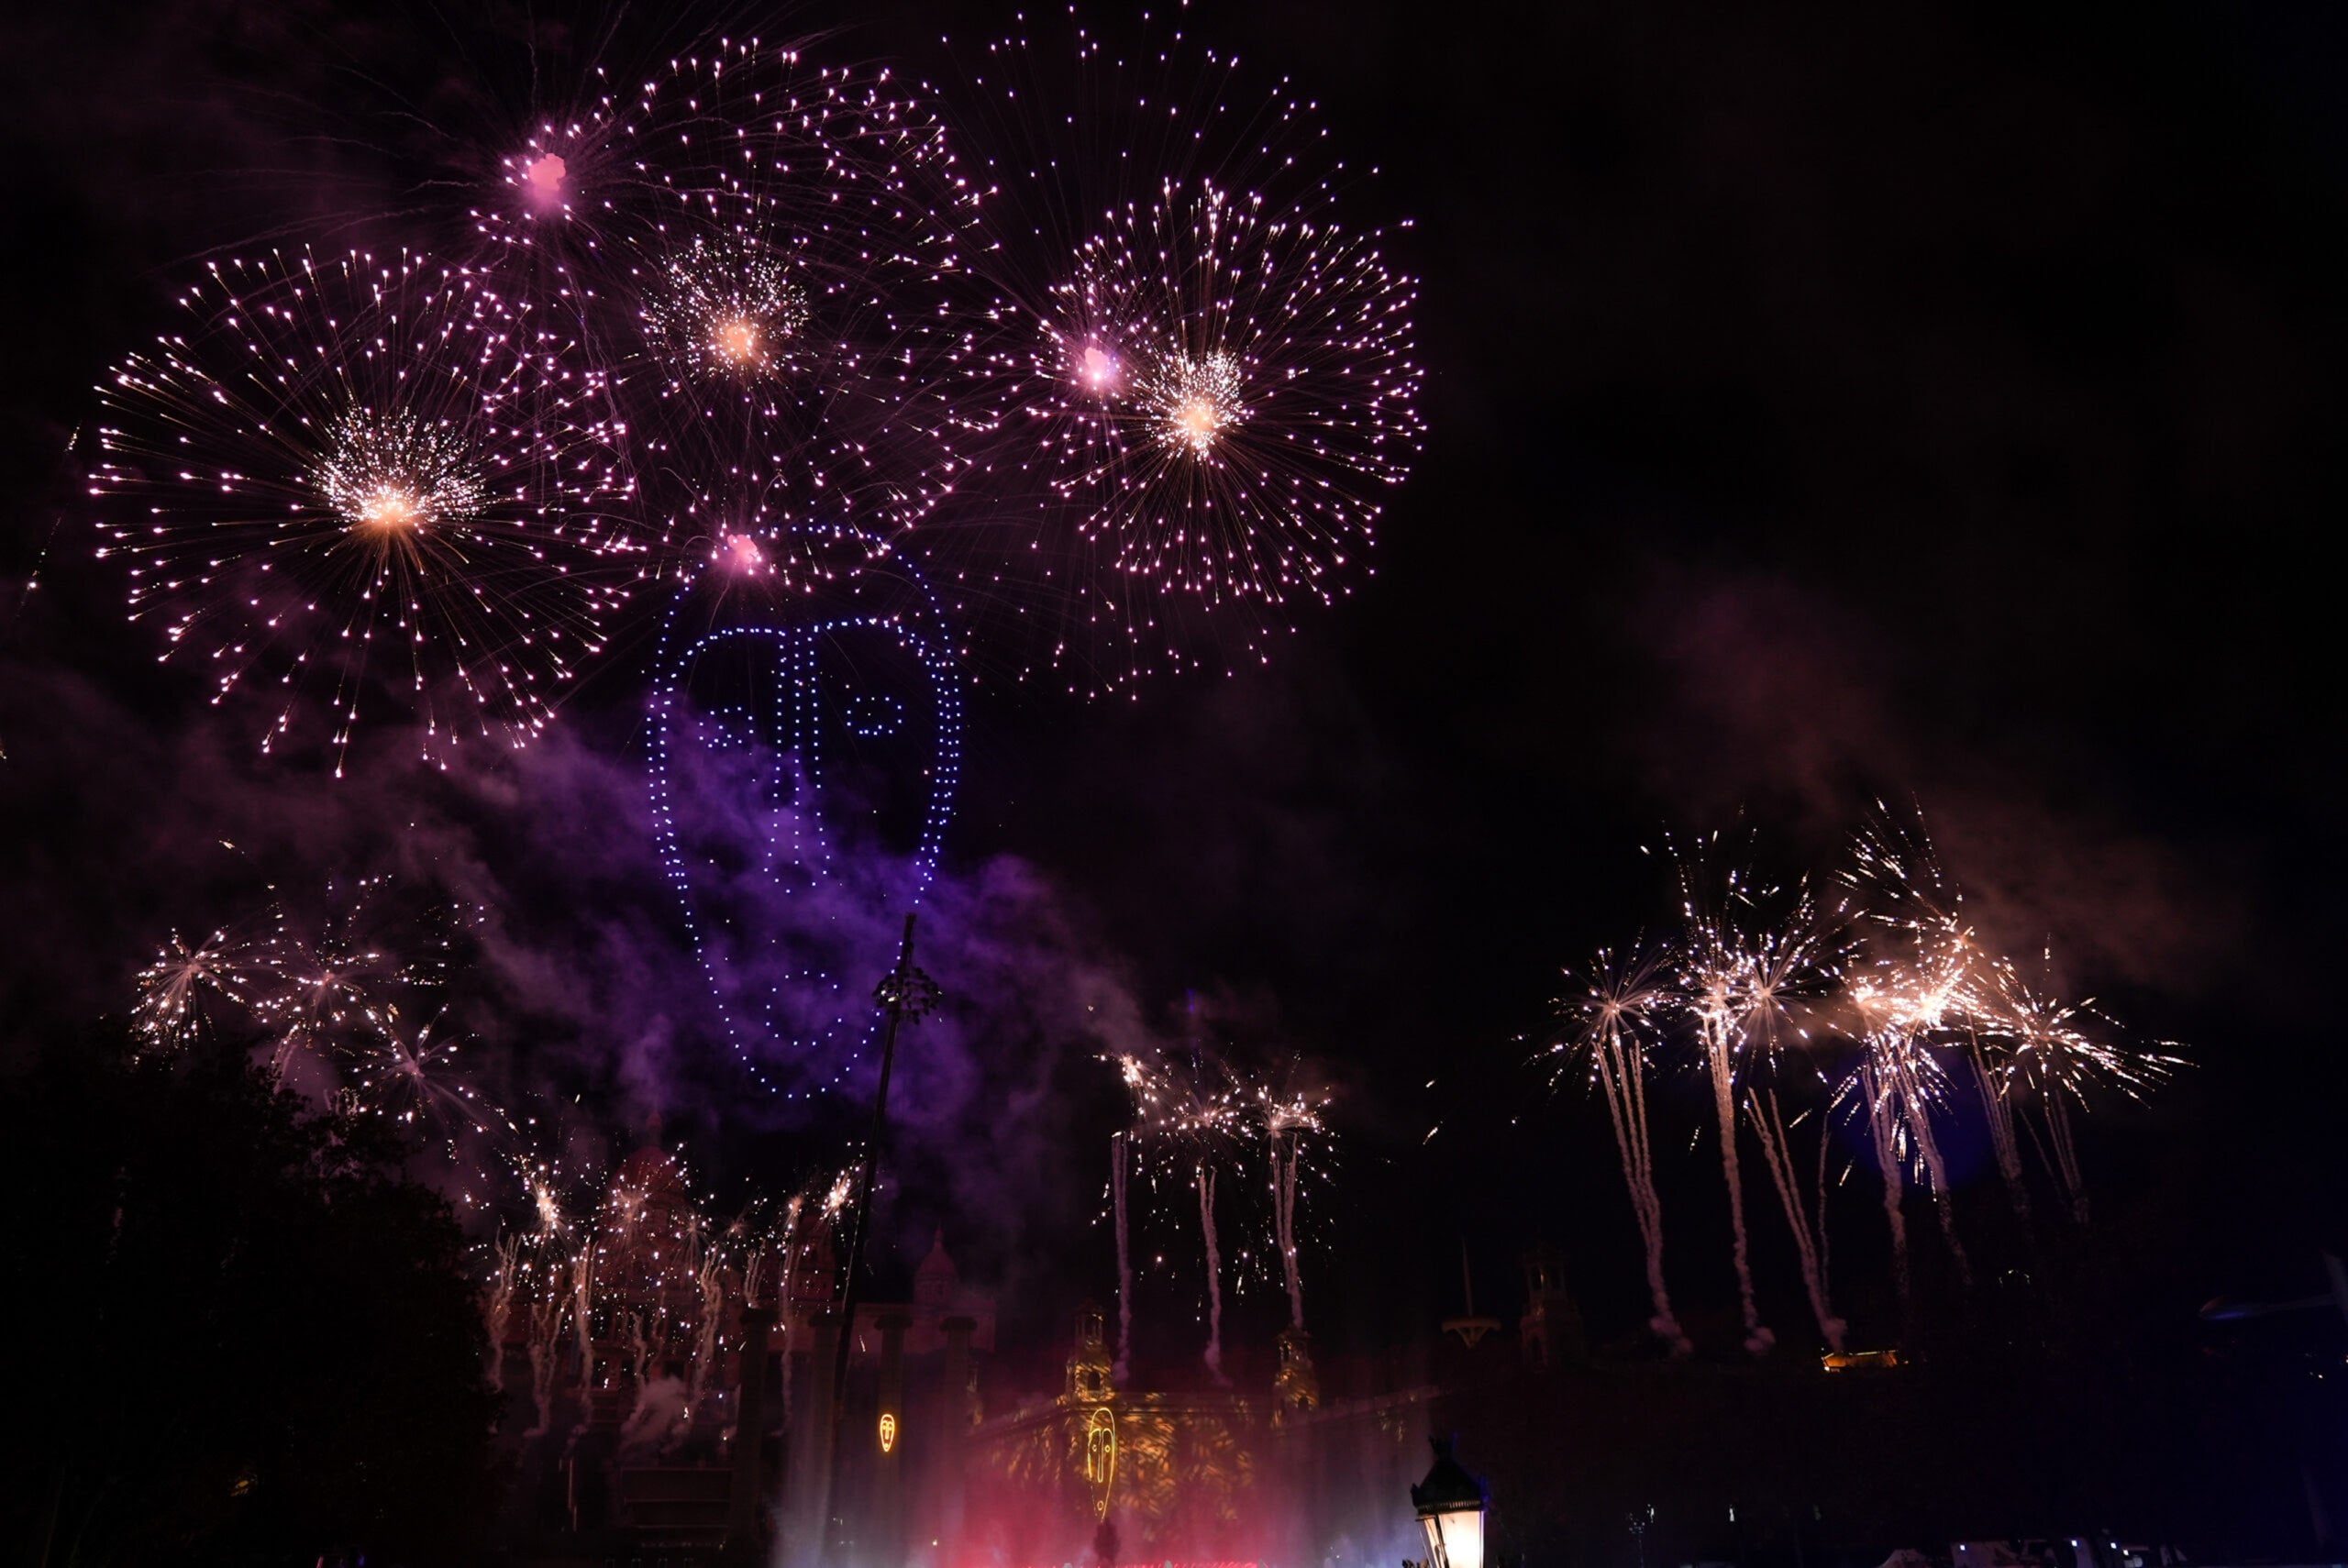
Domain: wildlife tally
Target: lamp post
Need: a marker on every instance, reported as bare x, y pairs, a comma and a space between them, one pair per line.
1451, 1505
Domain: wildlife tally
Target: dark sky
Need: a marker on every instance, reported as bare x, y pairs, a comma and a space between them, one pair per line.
1941, 405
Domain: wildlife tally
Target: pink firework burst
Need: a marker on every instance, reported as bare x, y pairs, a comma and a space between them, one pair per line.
368, 486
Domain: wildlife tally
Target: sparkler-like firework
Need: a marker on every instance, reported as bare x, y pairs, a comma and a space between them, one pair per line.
349, 475
1767, 983
179, 990
1613, 1024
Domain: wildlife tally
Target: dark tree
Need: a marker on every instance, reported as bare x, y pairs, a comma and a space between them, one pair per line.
241, 1336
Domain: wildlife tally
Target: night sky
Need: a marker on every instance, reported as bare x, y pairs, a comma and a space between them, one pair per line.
1940, 406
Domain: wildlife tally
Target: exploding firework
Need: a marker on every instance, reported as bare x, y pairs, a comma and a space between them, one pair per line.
1191, 1120
769, 256
180, 990
374, 954
373, 483
1204, 380
1258, 396
1934, 979
1613, 1025
410, 1079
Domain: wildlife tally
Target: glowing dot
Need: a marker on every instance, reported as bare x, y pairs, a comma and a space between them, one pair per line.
1098, 368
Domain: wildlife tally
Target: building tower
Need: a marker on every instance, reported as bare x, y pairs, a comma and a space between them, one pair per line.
1551, 1331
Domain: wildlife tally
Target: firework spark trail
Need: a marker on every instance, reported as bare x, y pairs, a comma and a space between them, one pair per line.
1288, 1117
1784, 964
1711, 971
1614, 1020
1809, 1231
345, 460
1117, 1160
1998, 1108
1875, 1098
497, 1307
1214, 1273
1283, 1151
548, 1308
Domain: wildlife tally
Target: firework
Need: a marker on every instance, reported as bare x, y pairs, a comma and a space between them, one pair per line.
1289, 1119
411, 1079
341, 991
179, 989
1613, 1024
1928, 985
768, 257
1204, 382
373, 482
1192, 1118
1227, 390
1714, 970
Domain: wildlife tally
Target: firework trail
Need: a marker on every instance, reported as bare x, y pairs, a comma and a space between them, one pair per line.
497, 1307
1711, 975
1288, 1118
1614, 1022
344, 463
1214, 1273
1117, 1160
1790, 964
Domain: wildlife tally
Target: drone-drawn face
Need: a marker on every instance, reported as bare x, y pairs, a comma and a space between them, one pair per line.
805, 751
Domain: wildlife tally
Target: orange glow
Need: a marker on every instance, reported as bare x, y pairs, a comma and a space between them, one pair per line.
390, 507
888, 1432
1198, 421
737, 340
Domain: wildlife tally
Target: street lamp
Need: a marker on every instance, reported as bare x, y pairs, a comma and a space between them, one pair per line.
1451, 1509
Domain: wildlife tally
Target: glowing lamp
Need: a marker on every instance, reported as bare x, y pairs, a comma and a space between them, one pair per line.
1451, 1504
888, 1432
